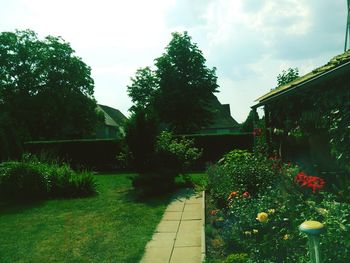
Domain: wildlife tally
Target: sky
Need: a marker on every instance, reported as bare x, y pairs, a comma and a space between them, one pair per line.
249, 41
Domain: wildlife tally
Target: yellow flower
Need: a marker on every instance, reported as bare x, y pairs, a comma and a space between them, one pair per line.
271, 211
248, 233
262, 217
286, 237
255, 231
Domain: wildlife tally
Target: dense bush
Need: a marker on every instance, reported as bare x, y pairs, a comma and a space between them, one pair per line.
170, 157
32, 179
241, 171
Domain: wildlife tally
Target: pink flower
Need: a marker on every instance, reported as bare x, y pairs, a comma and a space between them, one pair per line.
246, 194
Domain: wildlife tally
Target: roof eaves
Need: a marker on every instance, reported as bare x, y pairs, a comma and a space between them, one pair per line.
333, 64
291, 88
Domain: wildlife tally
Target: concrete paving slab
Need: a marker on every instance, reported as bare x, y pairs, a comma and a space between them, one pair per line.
193, 207
162, 240
157, 255
176, 206
194, 200
190, 226
192, 215
188, 238
172, 216
168, 226
186, 255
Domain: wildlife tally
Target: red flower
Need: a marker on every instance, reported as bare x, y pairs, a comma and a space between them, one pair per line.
313, 182
246, 194
213, 212
231, 195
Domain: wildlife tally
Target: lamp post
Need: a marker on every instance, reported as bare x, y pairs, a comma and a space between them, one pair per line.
313, 229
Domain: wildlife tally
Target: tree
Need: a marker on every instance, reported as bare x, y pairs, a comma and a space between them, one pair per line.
180, 89
142, 89
46, 89
185, 85
287, 76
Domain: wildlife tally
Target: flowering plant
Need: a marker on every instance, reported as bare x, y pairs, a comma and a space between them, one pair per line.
262, 217
313, 182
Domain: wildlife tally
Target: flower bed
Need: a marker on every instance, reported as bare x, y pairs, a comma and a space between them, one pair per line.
260, 224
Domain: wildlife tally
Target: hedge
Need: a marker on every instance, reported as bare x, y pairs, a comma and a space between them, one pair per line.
93, 154
216, 145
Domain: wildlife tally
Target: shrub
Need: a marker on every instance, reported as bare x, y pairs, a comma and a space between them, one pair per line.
23, 181
32, 179
241, 171
236, 258
171, 157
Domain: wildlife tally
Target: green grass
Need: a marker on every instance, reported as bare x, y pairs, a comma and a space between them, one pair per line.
110, 227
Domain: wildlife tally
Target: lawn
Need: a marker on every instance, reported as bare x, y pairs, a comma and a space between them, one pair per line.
110, 227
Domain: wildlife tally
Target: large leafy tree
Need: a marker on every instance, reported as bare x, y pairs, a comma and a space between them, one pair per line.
143, 88
46, 90
180, 89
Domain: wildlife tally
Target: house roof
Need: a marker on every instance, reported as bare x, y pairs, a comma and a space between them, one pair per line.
335, 64
113, 117
222, 116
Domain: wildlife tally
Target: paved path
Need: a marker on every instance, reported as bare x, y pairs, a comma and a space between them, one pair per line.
179, 237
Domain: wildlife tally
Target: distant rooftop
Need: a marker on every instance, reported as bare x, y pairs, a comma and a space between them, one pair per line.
113, 117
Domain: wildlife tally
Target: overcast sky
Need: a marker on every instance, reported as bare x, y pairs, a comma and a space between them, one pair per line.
249, 41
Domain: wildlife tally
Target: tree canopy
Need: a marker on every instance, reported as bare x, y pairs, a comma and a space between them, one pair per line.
287, 76
180, 88
45, 89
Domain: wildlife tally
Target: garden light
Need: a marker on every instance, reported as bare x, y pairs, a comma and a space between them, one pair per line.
313, 229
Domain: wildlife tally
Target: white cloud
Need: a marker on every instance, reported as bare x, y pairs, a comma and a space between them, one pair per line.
249, 41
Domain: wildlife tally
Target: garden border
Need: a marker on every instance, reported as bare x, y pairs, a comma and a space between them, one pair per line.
203, 227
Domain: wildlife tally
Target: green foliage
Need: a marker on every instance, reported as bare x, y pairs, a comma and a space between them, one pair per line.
23, 181
339, 131
143, 88
240, 171
46, 90
185, 85
179, 90
287, 76
141, 133
316, 112
90, 154
248, 124
10, 145
181, 148
33, 179
236, 258
286, 207
170, 157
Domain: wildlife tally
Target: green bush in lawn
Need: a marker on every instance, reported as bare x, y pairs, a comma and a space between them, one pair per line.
33, 179
22, 180
241, 171
171, 157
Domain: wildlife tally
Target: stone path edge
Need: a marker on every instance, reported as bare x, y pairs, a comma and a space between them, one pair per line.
203, 228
